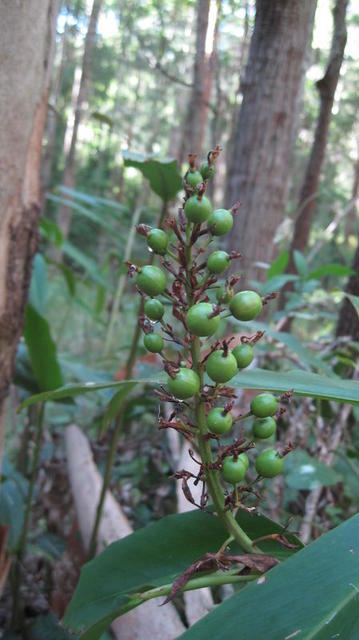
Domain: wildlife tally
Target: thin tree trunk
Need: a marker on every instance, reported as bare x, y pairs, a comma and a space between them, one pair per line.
259, 170
348, 321
24, 82
197, 112
52, 114
64, 213
326, 88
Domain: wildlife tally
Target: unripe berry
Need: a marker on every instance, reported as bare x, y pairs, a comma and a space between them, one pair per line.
233, 471
269, 464
199, 321
151, 280
154, 309
224, 295
264, 427
185, 384
153, 342
220, 222
218, 262
206, 170
197, 209
264, 405
246, 305
157, 240
193, 178
218, 421
244, 354
221, 367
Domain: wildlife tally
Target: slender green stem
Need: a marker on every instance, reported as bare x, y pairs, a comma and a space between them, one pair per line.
204, 446
28, 504
214, 580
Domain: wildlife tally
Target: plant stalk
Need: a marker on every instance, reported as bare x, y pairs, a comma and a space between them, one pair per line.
25, 528
204, 446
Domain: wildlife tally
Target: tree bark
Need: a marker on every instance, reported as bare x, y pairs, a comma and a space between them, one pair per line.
64, 214
326, 88
204, 62
259, 170
24, 82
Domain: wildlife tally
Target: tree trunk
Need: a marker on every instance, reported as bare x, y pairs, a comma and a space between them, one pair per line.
24, 82
348, 321
259, 171
326, 88
52, 115
64, 213
203, 68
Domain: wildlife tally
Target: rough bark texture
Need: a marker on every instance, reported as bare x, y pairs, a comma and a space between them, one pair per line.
64, 214
197, 111
259, 169
24, 83
326, 88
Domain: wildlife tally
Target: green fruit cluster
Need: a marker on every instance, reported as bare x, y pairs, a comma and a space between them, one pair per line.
201, 319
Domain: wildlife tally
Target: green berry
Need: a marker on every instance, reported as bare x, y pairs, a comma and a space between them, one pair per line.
244, 354
157, 240
193, 178
264, 427
218, 262
246, 305
151, 280
185, 385
154, 309
206, 170
244, 459
153, 342
222, 222
197, 209
199, 321
264, 405
233, 471
224, 295
220, 367
269, 464
219, 422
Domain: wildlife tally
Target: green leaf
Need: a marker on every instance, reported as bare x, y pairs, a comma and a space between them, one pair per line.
42, 350
330, 270
51, 545
277, 282
313, 595
305, 472
38, 285
103, 118
162, 174
68, 274
70, 390
304, 383
85, 262
150, 557
115, 404
307, 357
51, 231
12, 511
354, 300
279, 265
300, 264
96, 201
46, 627
83, 211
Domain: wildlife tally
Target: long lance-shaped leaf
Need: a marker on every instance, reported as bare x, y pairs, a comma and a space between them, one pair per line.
314, 595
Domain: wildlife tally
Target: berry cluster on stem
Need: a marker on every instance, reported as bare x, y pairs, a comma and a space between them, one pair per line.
199, 372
